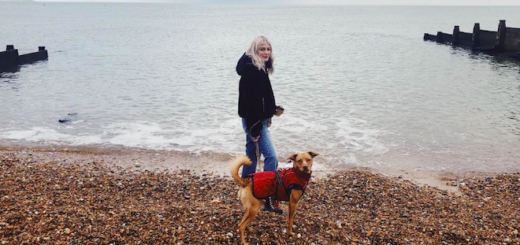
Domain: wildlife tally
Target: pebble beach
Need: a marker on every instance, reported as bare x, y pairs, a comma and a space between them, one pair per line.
49, 197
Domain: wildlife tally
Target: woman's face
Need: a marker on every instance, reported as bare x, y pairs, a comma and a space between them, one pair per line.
264, 51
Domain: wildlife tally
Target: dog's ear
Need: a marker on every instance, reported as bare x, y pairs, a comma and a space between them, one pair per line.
292, 156
313, 153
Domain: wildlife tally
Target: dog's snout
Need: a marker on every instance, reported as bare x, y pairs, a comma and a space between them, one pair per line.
305, 168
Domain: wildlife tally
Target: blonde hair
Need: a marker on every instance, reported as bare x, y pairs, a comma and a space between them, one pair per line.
252, 52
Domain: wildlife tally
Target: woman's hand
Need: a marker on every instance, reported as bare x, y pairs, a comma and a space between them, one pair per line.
255, 139
279, 111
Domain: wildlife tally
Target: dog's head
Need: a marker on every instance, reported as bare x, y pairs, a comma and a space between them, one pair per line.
303, 161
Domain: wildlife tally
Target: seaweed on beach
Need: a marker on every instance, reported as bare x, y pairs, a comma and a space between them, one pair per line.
61, 202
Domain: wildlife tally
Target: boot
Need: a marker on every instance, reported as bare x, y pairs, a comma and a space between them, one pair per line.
272, 206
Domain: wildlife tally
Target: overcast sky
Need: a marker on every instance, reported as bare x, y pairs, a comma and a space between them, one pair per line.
324, 2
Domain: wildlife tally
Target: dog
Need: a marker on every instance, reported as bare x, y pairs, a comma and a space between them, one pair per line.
302, 165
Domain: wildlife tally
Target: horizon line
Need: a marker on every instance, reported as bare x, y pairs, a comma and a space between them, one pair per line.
249, 3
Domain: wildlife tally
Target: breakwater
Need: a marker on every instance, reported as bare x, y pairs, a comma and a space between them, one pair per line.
10, 59
504, 41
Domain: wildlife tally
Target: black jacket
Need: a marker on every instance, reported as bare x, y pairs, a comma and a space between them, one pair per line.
256, 98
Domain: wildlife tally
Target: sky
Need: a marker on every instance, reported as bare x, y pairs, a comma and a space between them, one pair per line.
324, 2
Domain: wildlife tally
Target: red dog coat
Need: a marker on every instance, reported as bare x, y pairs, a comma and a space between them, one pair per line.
279, 184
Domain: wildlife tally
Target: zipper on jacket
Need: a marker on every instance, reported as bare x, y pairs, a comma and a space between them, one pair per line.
263, 105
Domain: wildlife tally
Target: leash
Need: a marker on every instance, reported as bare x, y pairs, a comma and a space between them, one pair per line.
258, 168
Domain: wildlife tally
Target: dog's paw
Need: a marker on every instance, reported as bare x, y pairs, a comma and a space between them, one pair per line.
248, 229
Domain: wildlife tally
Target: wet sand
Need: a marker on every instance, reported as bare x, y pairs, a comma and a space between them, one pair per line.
69, 195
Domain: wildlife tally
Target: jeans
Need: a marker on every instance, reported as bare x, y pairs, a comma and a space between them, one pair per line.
266, 149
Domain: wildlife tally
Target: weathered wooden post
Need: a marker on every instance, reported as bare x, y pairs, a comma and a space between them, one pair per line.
439, 37
476, 35
456, 36
501, 36
8, 58
33, 57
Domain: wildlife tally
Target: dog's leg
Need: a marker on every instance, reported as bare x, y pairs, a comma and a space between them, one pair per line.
251, 206
248, 217
293, 204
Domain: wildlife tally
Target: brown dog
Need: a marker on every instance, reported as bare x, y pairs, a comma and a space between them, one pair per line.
302, 162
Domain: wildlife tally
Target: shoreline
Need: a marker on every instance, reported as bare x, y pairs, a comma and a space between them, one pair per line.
211, 163
63, 197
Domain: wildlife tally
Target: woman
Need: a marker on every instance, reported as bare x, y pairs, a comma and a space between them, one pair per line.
256, 105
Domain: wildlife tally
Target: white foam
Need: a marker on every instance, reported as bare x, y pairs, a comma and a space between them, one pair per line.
19, 135
295, 124
316, 166
38, 134
340, 142
354, 135
185, 137
142, 134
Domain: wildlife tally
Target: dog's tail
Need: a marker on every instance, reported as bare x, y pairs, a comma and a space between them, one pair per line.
235, 166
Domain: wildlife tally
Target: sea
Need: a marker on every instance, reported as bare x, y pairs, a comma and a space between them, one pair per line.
358, 83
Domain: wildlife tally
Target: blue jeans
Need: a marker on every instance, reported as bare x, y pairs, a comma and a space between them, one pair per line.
266, 149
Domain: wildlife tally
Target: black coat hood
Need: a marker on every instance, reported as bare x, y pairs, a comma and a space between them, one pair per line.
246, 62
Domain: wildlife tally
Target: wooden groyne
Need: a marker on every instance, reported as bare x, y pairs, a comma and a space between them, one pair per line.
505, 40
10, 59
